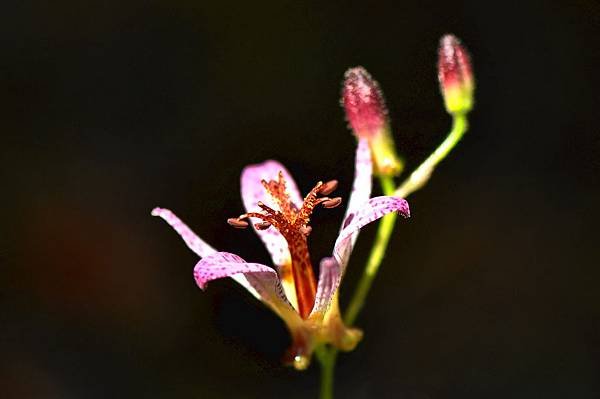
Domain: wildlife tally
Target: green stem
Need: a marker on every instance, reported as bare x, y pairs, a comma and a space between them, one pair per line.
384, 233
386, 227
326, 357
421, 175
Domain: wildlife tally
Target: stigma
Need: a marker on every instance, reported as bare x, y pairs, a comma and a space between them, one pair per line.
293, 224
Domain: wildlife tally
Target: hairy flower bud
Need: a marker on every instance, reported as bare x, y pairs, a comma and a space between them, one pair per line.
366, 113
363, 102
455, 75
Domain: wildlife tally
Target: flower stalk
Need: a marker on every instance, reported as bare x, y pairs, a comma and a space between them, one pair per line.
382, 239
457, 87
326, 357
421, 175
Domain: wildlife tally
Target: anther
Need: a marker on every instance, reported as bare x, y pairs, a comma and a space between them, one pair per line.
332, 203
328, 187
237, 223
305, 230
262, 225
267, 209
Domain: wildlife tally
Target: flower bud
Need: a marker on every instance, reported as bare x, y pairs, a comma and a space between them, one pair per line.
455, 75
367, 115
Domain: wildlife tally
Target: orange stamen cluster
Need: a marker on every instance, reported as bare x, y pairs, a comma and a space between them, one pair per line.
292, 223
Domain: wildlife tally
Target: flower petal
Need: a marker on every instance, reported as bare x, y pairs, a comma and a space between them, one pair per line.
263, 279
193, 242
331, 269
196, 244
329, 280
363, 178
373, 209
338, 334
361, 187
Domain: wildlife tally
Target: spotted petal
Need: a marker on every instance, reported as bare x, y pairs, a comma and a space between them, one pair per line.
363, 177
332, 269
329, 279
190, 238
196, 244
373, 209
263, 279
361, 192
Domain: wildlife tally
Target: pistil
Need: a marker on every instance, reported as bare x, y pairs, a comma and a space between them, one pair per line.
292, 223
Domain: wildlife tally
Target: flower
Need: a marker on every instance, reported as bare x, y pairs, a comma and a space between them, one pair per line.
366, 113
308, 307
455, 75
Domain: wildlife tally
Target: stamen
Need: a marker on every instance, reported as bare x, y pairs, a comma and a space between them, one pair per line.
267, 209
262, 225
328, 187
271, 219
309, 204
332, 203
237, 223
319, 201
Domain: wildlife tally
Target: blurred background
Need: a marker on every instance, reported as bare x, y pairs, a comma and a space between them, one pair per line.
111, 108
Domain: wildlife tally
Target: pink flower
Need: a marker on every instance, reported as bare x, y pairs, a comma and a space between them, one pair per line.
309, 307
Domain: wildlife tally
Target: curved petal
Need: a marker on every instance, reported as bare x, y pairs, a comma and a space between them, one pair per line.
373, 209
329, 279
190, 238
196, 244
363, 177
263, 280
332, 269
341, 336
361, 189
252, 192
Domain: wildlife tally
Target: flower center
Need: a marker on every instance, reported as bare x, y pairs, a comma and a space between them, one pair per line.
293, 224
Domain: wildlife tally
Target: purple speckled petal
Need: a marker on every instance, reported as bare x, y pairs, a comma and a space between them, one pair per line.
361, 188
193, 242
253, 192
363, 178
196, 244
332, 269
370, 211
263, 279
329, 280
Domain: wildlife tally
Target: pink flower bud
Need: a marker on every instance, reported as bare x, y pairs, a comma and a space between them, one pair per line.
455, 75
366, 112
363, 101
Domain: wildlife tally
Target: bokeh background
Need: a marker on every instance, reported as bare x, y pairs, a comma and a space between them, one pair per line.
111, 108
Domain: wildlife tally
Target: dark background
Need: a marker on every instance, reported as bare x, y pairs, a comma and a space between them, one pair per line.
490, 290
